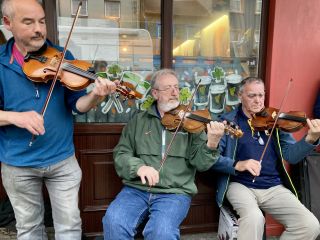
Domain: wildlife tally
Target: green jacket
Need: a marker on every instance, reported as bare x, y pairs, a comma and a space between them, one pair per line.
141, 144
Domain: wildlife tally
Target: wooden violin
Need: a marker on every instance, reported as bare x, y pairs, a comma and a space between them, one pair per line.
74, 74
289, 122
194, 121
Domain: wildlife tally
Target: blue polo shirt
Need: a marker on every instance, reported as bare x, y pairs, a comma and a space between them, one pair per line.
251, 147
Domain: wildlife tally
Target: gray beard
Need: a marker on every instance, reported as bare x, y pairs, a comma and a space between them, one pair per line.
166, 107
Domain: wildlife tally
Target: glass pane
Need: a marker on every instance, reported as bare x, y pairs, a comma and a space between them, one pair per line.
122, 41
216, 42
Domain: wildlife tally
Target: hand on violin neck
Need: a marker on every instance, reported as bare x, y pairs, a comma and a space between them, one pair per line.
314, 130
215, 131
103, 87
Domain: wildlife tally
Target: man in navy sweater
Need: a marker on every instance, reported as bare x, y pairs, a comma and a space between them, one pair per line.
50, 159
251, 185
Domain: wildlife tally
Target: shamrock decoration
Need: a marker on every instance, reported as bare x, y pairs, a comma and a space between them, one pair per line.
217, 74
114, 71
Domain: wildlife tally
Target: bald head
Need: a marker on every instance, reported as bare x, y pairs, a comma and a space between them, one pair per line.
8, 6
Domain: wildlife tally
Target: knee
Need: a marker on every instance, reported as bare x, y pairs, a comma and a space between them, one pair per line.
311, 227
70, 217
253, 217
110, 220
115, 225
164, 232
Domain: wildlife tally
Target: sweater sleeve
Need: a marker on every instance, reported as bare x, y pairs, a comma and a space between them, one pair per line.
293, 151
201, 157
126, 164
71, 97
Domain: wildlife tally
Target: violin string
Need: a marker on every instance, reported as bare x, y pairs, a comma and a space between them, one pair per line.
79, 71
76, 70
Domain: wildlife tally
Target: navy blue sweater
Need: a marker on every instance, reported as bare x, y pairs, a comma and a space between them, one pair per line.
251, 147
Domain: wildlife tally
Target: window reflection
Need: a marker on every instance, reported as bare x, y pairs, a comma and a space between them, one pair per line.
115, 37
217, 42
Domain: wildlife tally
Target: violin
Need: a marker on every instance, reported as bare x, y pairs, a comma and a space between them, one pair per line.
74, 74
194, 121
288, 122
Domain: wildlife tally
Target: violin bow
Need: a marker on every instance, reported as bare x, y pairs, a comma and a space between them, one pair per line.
44, 108
176, 131
274, 124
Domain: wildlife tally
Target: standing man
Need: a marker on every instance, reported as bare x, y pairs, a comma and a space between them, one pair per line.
160, 194
50, 159
272, 190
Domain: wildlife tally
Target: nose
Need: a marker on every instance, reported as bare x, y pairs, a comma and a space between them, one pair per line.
175, 91
38, 27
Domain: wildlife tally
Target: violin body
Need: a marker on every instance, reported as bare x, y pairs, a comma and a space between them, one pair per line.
43, 68
73, 74
172, 119
192, 121
289, 122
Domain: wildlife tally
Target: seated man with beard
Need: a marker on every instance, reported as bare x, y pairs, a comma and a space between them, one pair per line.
160, 193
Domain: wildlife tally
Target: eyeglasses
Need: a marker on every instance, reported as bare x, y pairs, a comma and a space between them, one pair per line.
257, 136
168, 88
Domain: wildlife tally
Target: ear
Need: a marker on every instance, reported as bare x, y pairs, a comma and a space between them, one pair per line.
7, 23
240, 97
154, 94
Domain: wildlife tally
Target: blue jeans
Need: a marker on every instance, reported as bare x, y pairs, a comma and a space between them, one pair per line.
165, 213
24, 188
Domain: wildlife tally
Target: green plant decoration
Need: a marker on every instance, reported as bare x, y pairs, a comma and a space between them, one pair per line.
217, 73
232, 91
147, 102
217, 98
184, 95
202, 90
114, 70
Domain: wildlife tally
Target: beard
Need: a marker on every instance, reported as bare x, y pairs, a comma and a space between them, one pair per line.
166, 107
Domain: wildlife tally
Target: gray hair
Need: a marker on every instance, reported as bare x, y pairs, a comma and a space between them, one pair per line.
249, 80
156, 75
7, 9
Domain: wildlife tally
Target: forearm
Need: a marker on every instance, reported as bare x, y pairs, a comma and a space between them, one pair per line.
5, 117
127, 166
86, 102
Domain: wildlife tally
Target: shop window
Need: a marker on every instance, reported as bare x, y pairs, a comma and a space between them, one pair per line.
121, 40
112, 9
258, 6
217, 43
83, 10
235, 6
